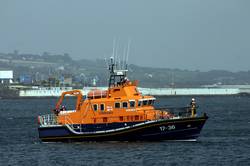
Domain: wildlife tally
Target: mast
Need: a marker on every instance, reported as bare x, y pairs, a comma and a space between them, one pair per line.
117, 76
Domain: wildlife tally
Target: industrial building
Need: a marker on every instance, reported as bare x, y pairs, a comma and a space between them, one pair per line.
6, 76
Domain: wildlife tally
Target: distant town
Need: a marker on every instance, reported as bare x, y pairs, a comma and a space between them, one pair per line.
60, 70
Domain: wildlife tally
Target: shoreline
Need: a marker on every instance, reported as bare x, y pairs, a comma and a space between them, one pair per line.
56, 97
55, 92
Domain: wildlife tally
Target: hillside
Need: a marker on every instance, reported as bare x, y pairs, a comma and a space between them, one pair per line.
83, 72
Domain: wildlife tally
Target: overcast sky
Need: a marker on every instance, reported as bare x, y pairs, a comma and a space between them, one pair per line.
185, 34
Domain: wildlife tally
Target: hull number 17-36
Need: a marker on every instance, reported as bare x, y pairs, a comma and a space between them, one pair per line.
167, 128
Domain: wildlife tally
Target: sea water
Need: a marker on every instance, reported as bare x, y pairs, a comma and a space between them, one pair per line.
224, 140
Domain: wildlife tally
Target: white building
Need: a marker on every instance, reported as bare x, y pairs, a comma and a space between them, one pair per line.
6, 76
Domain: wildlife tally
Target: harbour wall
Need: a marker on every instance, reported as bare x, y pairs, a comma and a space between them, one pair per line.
189, 91
56, 91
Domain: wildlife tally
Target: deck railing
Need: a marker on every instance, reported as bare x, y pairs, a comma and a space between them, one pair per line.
49, 119
178, 111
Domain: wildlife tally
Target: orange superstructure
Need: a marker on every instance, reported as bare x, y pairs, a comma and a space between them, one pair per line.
120, 113
122, 102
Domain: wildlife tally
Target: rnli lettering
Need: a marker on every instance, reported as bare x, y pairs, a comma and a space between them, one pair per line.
109, 108
169, 127
110, 112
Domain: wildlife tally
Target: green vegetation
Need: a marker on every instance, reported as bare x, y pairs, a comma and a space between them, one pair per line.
42, 68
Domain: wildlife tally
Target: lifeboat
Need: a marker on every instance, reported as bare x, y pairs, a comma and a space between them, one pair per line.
120, 113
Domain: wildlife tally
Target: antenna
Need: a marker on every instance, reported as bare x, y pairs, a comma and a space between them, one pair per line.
114, 44
107, 65
116, 54
129, 42
119, 66
123, 58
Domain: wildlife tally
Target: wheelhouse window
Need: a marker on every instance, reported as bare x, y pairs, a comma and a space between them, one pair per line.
125, 105
95, 107
102, 107
132, 104
139, 103
151, 102
145, 102
117, 105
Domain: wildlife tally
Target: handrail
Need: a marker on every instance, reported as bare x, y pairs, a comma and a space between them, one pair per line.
49, 119
168, 114
164, 113
68, 119
112, 130
70, 123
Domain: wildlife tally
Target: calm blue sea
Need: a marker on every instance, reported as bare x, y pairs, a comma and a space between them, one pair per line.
225, 138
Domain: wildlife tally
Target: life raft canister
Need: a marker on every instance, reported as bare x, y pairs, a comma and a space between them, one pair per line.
97, 93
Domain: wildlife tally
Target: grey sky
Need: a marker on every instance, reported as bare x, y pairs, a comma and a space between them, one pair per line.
185, 34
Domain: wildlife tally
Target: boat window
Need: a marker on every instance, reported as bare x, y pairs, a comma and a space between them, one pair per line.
105, 119
132, 104
139, 103
125, 105
102, 107
95, 107
150, 102
121, 118
153, 101
132, 118
117, 105
145, 102
115, 90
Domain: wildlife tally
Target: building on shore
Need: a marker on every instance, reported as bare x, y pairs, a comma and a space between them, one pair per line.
6, 76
